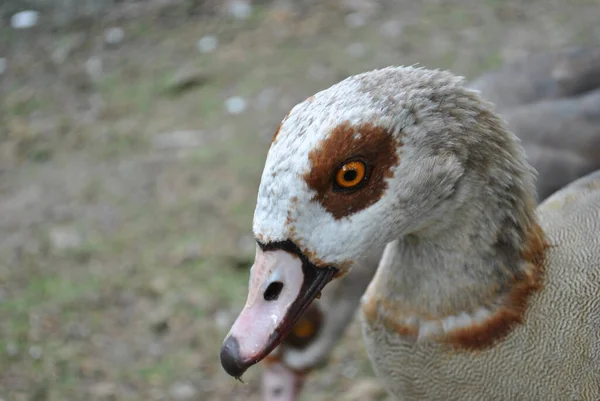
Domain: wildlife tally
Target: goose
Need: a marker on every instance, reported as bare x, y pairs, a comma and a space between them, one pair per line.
561, 138
478, 295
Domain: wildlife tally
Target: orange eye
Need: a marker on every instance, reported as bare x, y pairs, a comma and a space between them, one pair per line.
304, 328
350, 174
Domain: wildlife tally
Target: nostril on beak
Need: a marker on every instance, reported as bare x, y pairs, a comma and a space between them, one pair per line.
273, 290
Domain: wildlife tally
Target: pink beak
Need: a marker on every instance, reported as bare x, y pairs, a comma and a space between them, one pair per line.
283, 283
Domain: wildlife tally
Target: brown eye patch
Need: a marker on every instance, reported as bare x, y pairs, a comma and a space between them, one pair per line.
368, 144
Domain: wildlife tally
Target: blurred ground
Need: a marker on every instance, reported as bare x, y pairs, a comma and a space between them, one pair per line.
130, 155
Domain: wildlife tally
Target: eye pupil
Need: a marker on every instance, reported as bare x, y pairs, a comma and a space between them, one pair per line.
350, 175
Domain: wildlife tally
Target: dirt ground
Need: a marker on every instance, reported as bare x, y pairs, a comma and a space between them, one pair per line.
130, 161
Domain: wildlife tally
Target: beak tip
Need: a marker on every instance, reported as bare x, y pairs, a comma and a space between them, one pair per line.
230, 358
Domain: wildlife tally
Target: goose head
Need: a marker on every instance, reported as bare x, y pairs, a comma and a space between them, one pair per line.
376, 157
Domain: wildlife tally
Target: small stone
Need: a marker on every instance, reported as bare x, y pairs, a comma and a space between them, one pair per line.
60, 55
159, 285
178, 140
2, 65
161, 327
223, 319
155, 349
318, 72
391, 29
65, 353
78, 330
246, 245
114, 35
12, 349
235, 105
365, 390
103, 389
93, 66
355, 20
159, 321
187, 77
181, 391
286, 103
356, 49
328, 378
35, 352
365, 7
189, 254
239, 9
125, 298
156, 394
24, 19
65, 238
207, 44
265, 98
350, 371
66, 46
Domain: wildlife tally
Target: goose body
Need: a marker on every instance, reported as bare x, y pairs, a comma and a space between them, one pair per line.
553, 355
475, 291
